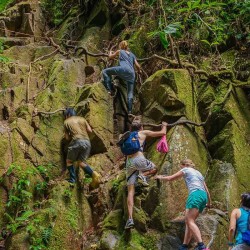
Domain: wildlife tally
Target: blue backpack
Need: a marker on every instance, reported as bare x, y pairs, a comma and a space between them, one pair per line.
246, 234
129, 143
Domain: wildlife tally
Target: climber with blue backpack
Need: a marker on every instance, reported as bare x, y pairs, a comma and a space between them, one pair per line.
137, 166
240, 225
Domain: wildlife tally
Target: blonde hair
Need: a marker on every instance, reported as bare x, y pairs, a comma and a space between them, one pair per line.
123, 45
188, 162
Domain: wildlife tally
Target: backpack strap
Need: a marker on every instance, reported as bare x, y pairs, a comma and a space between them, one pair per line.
131, 175
123, 138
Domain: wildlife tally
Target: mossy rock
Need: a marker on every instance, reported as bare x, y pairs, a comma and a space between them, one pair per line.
213, 226
120, 25
21, 54
133, 240
99, 15
5, 152
109, 240
223, 185
99, 115
169, 93
4, 199
65, 77
19, 241
114, 220
230, 145
71, 216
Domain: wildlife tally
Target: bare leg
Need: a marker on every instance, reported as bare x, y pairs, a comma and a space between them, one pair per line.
190, 217
130, 200
188, 236
150, 172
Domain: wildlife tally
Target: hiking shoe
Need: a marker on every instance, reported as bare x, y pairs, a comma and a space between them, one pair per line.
96, 180
129, 224
183, 247
142, 180
200, 247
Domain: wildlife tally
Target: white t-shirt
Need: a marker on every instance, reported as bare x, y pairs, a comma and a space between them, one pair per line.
194, 179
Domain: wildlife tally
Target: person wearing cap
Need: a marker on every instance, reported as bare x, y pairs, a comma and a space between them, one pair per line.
76, 131
198, 199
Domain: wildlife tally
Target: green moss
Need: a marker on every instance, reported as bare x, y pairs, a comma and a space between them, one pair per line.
4, 4
228, 58
63, 81
138, 241
231, 146
18, 241
3, 197
114, 220
223, 185
98, 115
4, 152
169, 93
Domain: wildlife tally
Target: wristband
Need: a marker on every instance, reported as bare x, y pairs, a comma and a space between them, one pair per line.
230, 244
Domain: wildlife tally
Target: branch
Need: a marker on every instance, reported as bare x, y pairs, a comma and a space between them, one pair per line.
181, 122
57, 47
85, 51
48, 113
123, 5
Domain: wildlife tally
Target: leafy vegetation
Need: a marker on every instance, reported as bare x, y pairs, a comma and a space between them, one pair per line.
3, 4
57, 10
3, 59
203, 23
19, 209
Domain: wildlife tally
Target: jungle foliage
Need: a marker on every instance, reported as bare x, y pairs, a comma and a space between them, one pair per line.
202, 22
3, 4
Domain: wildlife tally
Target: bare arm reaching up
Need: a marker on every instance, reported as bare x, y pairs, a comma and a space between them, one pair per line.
113, 55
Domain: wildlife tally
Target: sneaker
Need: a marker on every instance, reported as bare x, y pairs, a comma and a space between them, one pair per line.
200, 247
142, 180
96, 180
129, 224
183, 247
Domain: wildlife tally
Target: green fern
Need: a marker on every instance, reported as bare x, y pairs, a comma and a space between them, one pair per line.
46, 234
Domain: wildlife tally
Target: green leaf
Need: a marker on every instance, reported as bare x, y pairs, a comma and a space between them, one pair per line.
25, 215
163, 39
206, 41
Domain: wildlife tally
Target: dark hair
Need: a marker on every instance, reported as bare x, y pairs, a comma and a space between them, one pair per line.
69, 112
245, 200
136, 126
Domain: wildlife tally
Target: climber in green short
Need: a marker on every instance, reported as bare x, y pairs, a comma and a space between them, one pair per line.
198, 199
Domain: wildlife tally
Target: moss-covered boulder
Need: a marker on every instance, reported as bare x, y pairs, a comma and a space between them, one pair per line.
99, 115
223, 185
109, 240
169, 93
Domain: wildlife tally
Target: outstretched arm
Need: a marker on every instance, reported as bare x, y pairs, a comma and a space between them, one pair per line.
89, 129
113, 55
162, 132
173, 177
138, 66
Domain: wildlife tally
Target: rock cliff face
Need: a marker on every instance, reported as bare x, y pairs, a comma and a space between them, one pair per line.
38, 208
